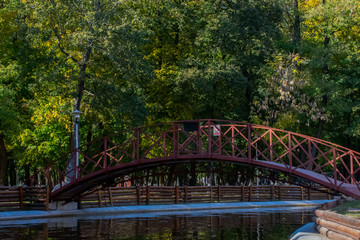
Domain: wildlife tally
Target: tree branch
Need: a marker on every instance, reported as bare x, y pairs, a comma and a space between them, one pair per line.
61, 48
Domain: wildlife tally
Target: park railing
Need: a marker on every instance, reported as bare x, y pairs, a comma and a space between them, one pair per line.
145, 195
24, 198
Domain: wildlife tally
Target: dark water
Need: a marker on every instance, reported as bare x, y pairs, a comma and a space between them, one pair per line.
258, 224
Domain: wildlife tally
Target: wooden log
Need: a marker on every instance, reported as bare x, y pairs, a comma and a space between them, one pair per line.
331, 234
338, 228
339, 218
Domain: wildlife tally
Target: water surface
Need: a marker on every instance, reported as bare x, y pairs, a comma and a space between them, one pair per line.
249, 224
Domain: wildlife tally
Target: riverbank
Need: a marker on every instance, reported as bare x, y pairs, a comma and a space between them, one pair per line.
18, 215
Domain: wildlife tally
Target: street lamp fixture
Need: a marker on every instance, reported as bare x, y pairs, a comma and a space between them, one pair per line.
76, 115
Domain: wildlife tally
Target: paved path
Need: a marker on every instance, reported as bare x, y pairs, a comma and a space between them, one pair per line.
16, 215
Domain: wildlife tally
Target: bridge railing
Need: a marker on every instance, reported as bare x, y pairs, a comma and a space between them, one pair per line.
213, 139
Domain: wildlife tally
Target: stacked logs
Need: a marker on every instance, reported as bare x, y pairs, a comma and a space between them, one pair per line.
336, 226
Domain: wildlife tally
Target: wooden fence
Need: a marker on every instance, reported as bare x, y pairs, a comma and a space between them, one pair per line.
37, 198
24, 198
143, 195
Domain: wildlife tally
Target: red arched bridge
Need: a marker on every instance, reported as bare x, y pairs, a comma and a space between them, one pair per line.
103, 160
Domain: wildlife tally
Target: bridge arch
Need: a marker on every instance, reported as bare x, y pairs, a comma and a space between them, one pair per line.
103, 160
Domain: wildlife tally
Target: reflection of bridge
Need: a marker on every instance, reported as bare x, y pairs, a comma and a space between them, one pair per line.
101, 161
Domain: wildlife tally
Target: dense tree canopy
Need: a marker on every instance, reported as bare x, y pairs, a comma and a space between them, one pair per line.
291, 64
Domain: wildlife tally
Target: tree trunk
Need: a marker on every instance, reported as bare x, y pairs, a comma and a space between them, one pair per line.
77, 102
171, 175
27, 175
12, 173
296, 27
3, 159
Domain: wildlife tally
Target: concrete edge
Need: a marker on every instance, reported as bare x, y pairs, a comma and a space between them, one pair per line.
307, 232
16, 215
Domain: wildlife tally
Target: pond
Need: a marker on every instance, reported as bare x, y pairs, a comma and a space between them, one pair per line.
249, 224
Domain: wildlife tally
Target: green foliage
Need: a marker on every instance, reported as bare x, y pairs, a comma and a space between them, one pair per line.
48, 138
344, 208
150, 61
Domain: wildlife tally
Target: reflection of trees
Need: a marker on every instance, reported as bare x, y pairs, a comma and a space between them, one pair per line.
224, 226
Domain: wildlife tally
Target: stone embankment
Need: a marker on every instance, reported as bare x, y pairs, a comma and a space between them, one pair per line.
337, 226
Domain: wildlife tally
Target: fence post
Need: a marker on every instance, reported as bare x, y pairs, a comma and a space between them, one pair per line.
21, 198
185, 193
79, 202
256, 192
138, 195
99, 197
279, 190
242, 193
147, 195
302, 193
211, 194
47, 198
219, 193
176, 194
110, 197
250, 192
272, 193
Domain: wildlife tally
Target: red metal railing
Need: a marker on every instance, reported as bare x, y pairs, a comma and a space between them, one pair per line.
320, 161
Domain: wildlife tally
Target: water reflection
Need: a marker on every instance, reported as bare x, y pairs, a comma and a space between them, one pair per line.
231, 224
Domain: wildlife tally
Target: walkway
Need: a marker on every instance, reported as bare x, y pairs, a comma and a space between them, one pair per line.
5, 217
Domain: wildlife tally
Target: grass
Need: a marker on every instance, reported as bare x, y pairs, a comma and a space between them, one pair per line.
343, 208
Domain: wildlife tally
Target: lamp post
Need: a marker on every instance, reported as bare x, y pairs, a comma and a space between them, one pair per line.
76, 115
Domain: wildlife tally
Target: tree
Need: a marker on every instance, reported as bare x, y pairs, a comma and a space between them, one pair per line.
206, 55
50, 53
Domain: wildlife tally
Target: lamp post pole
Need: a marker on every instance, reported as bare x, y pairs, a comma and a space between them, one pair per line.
76, 115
